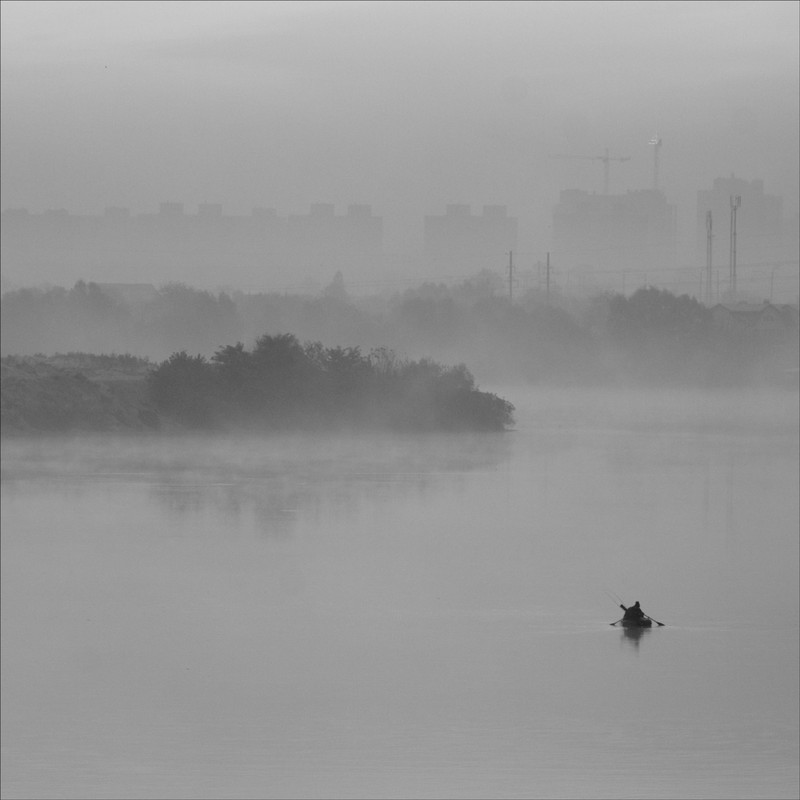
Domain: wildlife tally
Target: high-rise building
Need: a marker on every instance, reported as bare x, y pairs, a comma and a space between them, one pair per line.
466, 242
323, 243
634, 231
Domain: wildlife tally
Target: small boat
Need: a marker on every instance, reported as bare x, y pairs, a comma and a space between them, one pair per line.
636, 623
636, 618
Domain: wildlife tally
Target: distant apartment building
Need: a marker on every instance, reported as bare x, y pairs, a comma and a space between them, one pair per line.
635, 231
207, 248
324, 242
465, 242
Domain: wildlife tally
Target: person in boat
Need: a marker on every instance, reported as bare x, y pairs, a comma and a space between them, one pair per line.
633, 613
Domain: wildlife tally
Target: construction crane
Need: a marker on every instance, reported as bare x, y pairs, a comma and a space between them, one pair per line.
606, 159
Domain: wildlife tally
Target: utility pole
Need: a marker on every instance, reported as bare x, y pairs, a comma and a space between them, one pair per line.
709, 237
510, 277
735, 203
548, 279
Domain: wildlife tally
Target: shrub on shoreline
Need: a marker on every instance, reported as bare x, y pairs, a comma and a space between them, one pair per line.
283, 384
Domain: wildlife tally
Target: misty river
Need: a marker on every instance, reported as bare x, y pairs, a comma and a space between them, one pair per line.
410, 616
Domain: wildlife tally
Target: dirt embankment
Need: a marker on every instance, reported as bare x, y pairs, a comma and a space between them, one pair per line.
75, 393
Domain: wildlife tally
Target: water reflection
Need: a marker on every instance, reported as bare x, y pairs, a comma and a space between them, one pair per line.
272, 485
265, 485
633, 636
268, 509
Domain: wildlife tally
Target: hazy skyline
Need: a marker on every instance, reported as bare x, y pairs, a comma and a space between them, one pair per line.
406, 106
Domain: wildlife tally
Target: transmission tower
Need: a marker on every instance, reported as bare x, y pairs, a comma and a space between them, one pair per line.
735, 203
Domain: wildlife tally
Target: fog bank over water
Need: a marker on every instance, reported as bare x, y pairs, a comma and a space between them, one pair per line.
750, 411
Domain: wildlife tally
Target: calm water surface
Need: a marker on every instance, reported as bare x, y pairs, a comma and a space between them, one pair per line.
419, 616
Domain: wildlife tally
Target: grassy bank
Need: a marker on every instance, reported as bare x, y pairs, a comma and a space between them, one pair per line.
75, 393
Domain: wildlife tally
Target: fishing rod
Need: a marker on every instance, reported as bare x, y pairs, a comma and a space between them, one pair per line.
615, 598
617, 601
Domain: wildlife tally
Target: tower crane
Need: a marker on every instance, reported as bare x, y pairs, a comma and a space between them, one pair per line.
606, 159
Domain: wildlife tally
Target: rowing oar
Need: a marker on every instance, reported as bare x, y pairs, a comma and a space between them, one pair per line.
619, 620
661, 624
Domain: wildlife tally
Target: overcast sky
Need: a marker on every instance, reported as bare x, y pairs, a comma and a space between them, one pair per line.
403, 105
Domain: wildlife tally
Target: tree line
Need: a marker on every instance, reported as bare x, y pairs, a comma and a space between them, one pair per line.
651, 336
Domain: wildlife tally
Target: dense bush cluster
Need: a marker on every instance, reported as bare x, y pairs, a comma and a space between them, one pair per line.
283, 383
